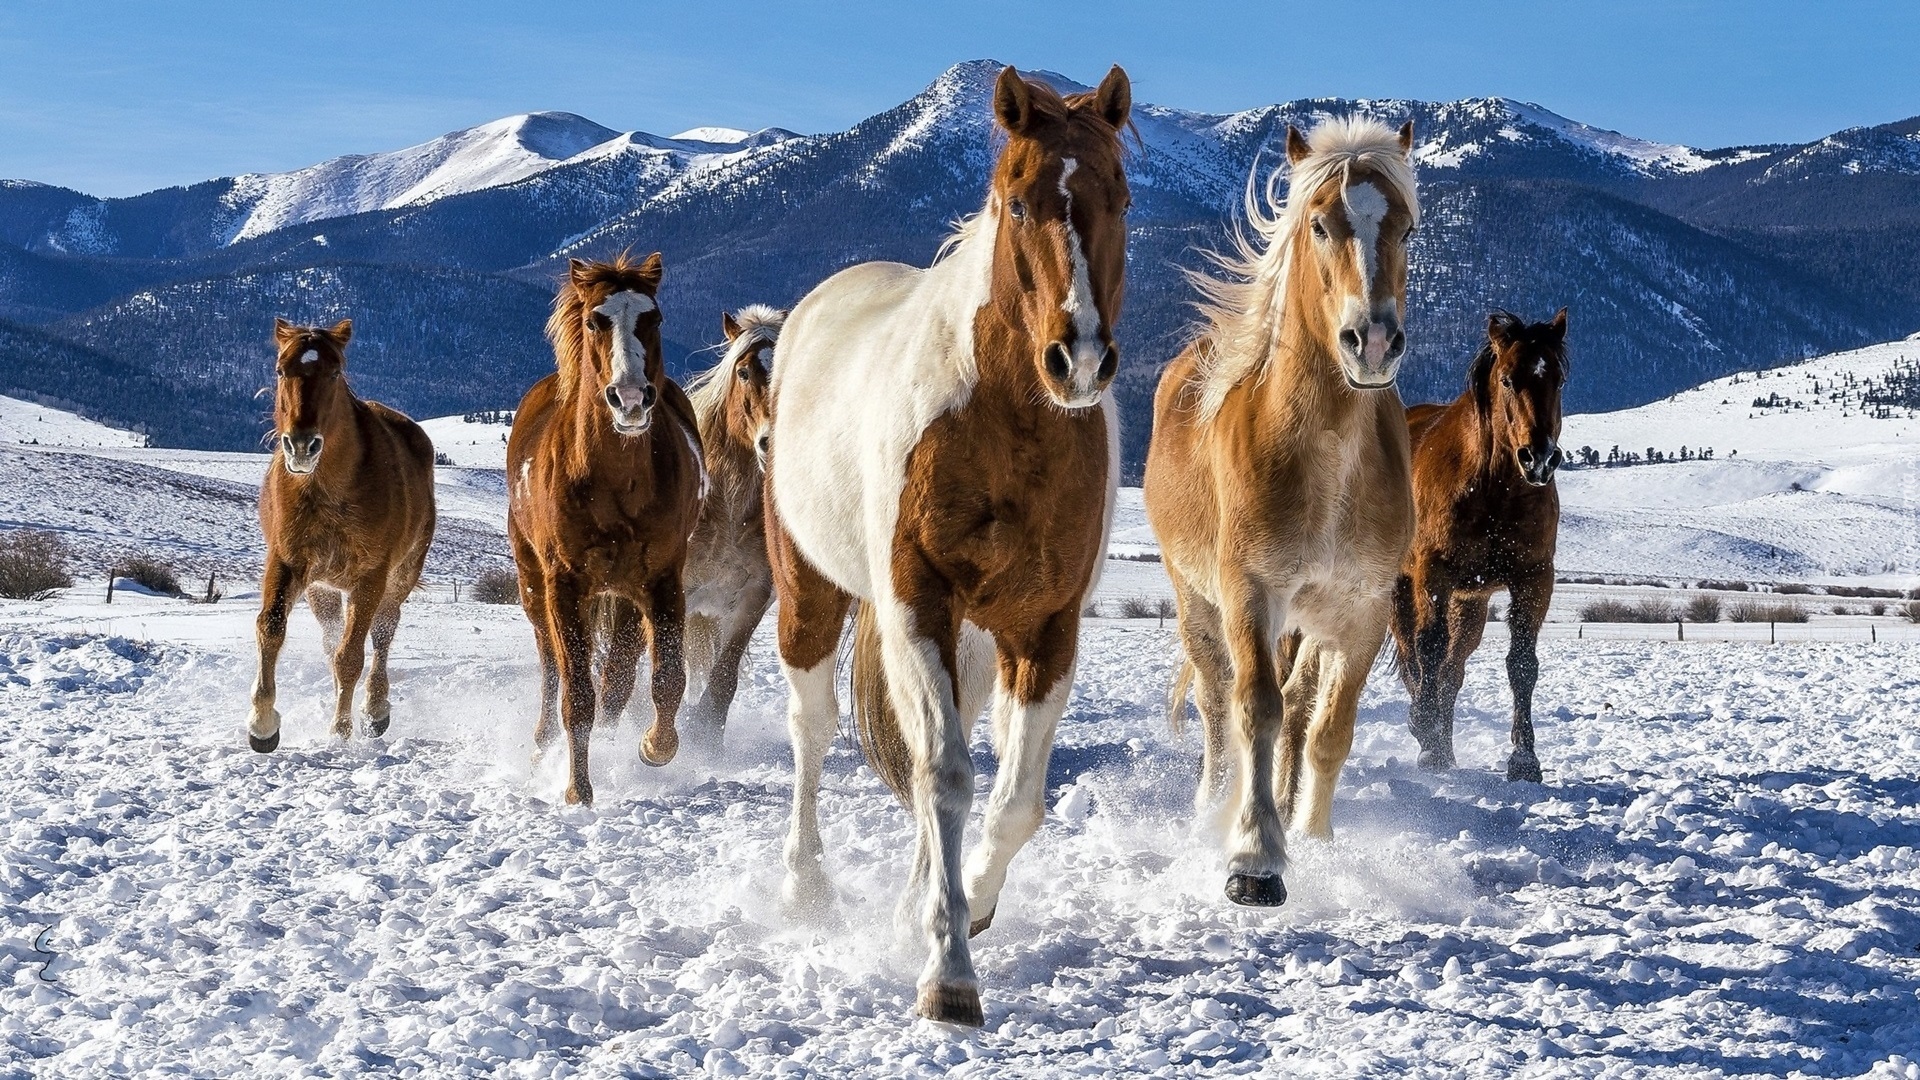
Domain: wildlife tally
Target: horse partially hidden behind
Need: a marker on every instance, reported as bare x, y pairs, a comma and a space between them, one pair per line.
728, 582
944, 451
1488, 515
604, 486
1277, 483
347, 508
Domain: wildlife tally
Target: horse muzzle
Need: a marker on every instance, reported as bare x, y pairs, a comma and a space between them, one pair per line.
300, 453
1370, 353
1538, 466
631, 408
1076, 376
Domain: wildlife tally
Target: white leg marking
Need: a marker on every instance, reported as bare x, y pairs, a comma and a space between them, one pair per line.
1018, 803
813, 716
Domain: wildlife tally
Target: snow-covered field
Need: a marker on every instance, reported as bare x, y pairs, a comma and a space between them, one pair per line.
1721, 874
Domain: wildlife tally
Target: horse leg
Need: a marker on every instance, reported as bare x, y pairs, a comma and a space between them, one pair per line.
1256, 838
1343, 665
619, 632
1406, 656
1466, 625
328, 607
1206, 649
280, 585
1036, 675
700, 643
1430, 603
723, 664
351, 658
386, 622
666, 619
811, 614
570, 626
1524, 616
533, 595
1299, 674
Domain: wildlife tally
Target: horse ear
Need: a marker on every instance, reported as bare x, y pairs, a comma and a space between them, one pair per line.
1499, 328
1297, 148
728, 326
577, 272
1114, 99
1406, 140
284, 331
1013, 101
653, 269
342, 331
1559, 325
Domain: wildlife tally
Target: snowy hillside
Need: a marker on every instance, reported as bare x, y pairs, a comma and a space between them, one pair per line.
469, 441
27, 422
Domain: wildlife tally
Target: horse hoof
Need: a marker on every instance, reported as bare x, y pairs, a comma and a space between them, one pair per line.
951, 1005
1524, 766
377, 725
1256, 890
581, 795
980, 925
659, 747
263, 746
1436, 760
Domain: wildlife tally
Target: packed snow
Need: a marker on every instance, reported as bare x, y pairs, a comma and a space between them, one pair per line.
1721, 874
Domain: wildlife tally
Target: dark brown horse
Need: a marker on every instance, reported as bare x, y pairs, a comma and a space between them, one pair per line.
1487, 516
729, 585
347, 508
604, 483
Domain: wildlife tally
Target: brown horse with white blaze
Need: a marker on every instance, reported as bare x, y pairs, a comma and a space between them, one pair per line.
944, 451
346, 508
1489, 516
729, 584
604, 482
1277, 483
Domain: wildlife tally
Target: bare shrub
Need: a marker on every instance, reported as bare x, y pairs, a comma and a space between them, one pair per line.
1165, 608
497, 586
1912, 611
33, 563
1792, 588
150, 572
1646, 610
1137, 607
1724, 586
1703, 608
1876, 609
1751, 611
1841, 609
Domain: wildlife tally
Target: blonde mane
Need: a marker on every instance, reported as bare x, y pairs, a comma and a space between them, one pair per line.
758, 323
1242, 306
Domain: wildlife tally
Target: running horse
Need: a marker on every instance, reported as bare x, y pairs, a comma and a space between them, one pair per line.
1277, 484
604, 486
728, 582
945, 452
347, 511
1488, 516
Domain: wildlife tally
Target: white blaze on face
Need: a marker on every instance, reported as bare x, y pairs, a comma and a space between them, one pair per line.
311, 356
1540, 368
1078, 303
1366, 208
623, 310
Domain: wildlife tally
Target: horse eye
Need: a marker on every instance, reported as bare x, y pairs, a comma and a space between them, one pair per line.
745, 375
1018, 209
1319, 230
1506, 381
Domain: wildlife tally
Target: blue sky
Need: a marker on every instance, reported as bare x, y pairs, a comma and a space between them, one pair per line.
115, 98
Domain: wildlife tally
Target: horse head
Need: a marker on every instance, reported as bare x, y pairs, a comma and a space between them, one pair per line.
310, 389
606, 334
1352, 191
1060, 196
1516, 383
746, 413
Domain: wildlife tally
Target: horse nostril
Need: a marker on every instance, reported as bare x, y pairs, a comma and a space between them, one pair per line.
1525, 455
1397, 344
1109, 363
763, 442
1350, 341
647, 394
1059, 365
286, 443
613, 397
313, 445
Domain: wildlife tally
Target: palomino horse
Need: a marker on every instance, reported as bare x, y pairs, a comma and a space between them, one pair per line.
1277, 483
729, 585
347, 507
1488, 515
604, 486
944, 451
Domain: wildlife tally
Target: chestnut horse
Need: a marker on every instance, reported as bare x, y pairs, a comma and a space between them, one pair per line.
945, 452
347, 508
729, 585
604, 486
1488, 515
1277, 483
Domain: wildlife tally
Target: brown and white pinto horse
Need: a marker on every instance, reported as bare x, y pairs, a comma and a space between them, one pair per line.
1277, 483
604, 482
729, 585
1488, 516
347, 508
944, 451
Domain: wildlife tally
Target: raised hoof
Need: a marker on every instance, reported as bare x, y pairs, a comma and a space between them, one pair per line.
951, 1005
377, 722
1524, 766
660, 745
263, 746
980, 925
1256, 890
1436, 760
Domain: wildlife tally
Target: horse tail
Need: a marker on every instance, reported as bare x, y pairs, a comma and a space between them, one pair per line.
1177, 698
874, 721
